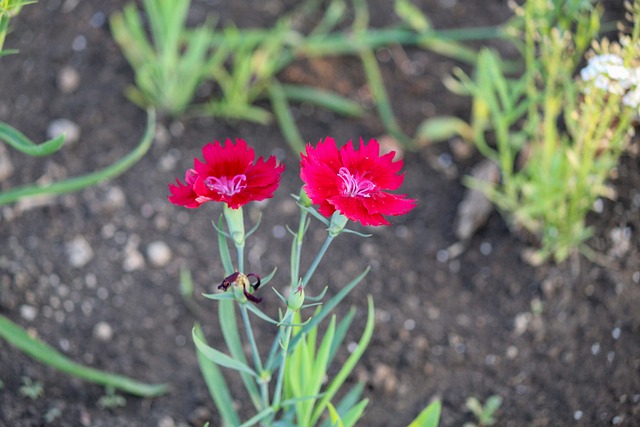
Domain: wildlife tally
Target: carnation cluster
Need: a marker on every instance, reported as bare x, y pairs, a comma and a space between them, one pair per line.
353, 182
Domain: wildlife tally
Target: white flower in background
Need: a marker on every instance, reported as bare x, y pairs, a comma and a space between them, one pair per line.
632, 97
608, 72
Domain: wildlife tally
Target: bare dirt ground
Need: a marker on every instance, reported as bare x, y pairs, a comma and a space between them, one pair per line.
559, 343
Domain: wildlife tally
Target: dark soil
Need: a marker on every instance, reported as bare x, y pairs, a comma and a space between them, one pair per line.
559, 343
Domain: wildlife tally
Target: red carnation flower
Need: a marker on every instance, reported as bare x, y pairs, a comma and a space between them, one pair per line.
353, 181
227, 175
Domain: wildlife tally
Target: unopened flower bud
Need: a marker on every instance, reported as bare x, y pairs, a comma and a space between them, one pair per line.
338, 222
305, 201
296, 299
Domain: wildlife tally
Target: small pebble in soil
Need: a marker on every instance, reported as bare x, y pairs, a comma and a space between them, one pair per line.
66, 127
79, 252
68, 79
28, 312
166, 421
79, 43
409, 324
615, 333
617, 420
279, 232
486, 248
103, 331
6, 167
577, 415
595, 348
159, 253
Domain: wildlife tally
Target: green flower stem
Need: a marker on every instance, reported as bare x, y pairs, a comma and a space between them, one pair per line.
317, 260
277, 394
297, 249
264, 389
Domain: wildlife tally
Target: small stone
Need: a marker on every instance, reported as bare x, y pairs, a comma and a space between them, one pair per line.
521, 323
159, 253
166, 421
385, 378
79, 252
28, 312
475, 208
68, 79
103, 331
6, 167
66, 127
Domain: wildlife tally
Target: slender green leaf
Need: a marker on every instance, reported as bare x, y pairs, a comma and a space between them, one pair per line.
229, 326
354, 414
20, 142
349, 365
429, 417
330, 101
217, 386
42, 352
257, 418
220, 296
220, 358
336, 421
412, 15
330, 306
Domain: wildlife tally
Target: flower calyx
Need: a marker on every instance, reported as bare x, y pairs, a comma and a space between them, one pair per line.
296, 299
243, 289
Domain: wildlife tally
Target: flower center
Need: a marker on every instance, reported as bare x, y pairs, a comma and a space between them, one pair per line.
353, 186
226, 186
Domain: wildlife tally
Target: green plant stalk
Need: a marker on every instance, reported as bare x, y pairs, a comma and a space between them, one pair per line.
263, 383
84, 181
42, 352
286, 338
316, 260
343, 44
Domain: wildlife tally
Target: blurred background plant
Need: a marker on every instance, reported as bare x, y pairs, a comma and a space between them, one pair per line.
172, 62
554, 137
10, 331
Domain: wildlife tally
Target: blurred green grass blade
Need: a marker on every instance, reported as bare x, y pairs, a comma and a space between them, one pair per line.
220, 358
381, 98
341, 332
412, 15
429, 417
330, 101
347, 402
285, 118
42, 352
442, 128
20, 142
257, 418
84, 181
354, 414
217, 386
